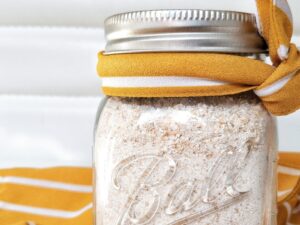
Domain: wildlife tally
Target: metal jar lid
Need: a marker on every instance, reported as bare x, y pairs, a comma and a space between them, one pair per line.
183, 31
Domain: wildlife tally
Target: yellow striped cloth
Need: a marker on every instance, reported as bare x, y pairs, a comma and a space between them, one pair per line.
46, 196
207, 74
64, 195
289, 189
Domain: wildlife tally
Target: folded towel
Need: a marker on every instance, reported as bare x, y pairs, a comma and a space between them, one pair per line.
46, 196
289, 189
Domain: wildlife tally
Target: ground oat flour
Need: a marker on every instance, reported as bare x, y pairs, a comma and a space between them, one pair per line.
183, 161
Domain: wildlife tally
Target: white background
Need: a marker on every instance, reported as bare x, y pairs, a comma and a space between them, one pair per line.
49, 90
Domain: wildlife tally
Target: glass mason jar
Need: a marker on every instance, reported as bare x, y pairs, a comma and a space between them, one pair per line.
191, 160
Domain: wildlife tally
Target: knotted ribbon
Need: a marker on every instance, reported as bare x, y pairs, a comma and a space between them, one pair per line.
210, 74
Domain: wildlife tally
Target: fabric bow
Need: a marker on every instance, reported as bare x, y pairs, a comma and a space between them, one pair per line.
209, 74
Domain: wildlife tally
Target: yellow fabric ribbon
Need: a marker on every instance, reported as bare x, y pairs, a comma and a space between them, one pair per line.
204, 74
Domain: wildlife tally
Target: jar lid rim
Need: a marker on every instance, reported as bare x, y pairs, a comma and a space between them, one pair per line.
183, 30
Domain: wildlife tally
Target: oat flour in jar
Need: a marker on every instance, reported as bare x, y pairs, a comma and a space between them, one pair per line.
183, 161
